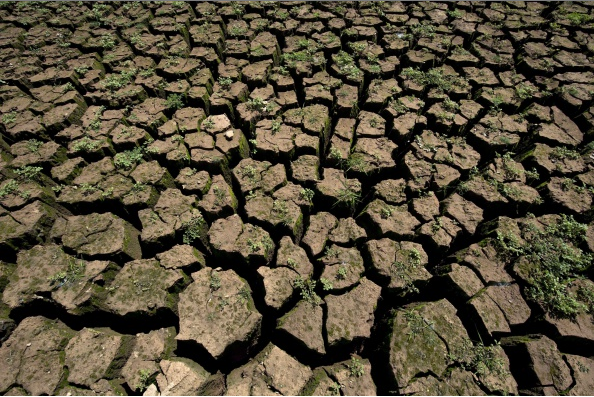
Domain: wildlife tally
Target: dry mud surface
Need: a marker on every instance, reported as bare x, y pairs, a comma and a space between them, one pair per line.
284, 198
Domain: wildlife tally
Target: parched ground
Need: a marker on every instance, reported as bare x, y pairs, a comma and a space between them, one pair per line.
293, 198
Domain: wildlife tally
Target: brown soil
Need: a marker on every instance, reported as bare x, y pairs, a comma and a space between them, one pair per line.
296, 198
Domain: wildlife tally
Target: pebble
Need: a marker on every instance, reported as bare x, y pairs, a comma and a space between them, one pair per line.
229, 134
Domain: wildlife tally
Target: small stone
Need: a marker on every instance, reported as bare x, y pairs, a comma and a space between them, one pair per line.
151, 391
229, 134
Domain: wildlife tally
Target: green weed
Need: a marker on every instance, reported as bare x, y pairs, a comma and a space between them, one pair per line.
175, 101
479, 359
28, 173
555, 259
307, 290
193, 229
356, 369
9, 118
8, 188
129, 158
75, 272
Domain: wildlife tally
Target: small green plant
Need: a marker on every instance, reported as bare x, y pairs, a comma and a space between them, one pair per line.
208, 123
129, 158
479, 359
238, 9
68, 87
146, 72
244, 295
444, 116
253, 245
254, 144
8, 188
374, 66
405, 269
330, 252
561, 153
281, 211
510, 166
136, 39
177, 139
95, 123
138, 187
75, 272
346, 65
248, 171
356, 369
348, 197
556, 260
532, 174
175, 101
114, 82
437, 225
423, 29
98, 11
107, 192
569, 89
525, 91
307, 195
257, 104
276, 125
28, 173
291, 58
335, 154
335, 389
435, 77
398, 106
265, 245
577, 18
225, 82
568, 184
283, 71
355, 162
220, 196
215, 281
85, 144
292, 263
341, 273
281, 14
585, 294
87, 189
419, 327
236, 30
144, 376
307, 290
193, 229
358, 48
385, 212
107, 41
555, 26
25, 194
450, 105
455, 13
57, 188
33, 145
9, 118
81, 70
326, 284
460, 51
